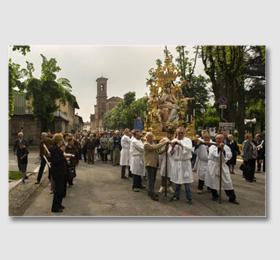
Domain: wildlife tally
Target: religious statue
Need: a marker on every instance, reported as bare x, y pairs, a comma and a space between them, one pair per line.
166, 106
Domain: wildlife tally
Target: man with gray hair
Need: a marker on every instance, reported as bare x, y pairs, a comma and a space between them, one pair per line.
150, 161
181, 170
42, 152
16, 148
212, 177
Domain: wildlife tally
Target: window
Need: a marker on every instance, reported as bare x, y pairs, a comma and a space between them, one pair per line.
102, 87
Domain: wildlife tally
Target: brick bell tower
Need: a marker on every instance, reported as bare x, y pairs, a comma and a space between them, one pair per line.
101, 98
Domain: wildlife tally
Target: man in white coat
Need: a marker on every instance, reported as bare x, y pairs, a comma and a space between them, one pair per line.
137, 161
212, 177
125, 154
202, 152
162, 162
181, 170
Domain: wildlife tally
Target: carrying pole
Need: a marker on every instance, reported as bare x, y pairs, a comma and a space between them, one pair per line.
220, 191
166, 170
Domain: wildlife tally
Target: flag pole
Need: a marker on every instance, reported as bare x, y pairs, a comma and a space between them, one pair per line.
220, 191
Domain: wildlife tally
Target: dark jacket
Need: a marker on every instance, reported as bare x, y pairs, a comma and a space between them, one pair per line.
73, 160
91, 144
58, 162
16, 145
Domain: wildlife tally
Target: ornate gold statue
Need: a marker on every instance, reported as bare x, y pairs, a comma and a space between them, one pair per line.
166, 106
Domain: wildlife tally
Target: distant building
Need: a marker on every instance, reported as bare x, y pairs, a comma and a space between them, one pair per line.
23, 120
86, 126
102, 104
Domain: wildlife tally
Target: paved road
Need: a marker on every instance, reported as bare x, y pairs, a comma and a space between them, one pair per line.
99, 191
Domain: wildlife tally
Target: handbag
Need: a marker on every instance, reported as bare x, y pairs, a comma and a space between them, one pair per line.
106, 151
71, 173
245, 168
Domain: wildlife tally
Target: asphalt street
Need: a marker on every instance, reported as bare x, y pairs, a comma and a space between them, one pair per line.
98, 190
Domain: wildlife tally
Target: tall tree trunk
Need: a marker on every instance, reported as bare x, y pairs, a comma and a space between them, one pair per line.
240, 111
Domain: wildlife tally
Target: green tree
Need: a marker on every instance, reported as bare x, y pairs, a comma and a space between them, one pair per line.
46, 90
231, 69
15, 77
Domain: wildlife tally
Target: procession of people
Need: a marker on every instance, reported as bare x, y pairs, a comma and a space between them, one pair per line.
142, 158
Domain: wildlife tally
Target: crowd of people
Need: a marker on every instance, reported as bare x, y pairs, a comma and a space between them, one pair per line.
176, 157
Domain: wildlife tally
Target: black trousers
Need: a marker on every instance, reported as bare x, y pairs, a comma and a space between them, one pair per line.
229, 193
85, 153
123, 171
137, 181
152, 174
104, 155
59, 191
41, 170
250, 175
200, 184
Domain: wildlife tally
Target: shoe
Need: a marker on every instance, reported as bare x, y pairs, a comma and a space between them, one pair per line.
171, 189
254, 180
62, 207
37, 182
26, 178
174, 199
154, 197
215, 198
124, 177
135, 189
190, 201
249, 181
130, 175
22, 182
161, 189
234, 201
233, 173
57, 211
142, 187
199, 191
51, 191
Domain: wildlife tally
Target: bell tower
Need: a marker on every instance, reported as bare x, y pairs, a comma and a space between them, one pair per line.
101, 99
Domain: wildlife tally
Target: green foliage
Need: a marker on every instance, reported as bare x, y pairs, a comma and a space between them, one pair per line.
123, 115
46, 90
15, 76
15, 175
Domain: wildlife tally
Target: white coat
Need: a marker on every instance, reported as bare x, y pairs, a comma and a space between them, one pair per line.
181, 168
125, 143
162, 161
202, 160
137, 157
212, 177
130, 156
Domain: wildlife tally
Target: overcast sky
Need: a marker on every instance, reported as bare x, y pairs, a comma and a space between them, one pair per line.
126, 68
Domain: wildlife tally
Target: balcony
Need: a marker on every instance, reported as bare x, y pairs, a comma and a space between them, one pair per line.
61, 114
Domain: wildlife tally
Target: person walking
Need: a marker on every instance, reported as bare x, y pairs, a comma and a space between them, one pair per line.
74, 159
260, 158
104, 148
43, 152
162, 162
116, 148
150, 161
137, 161
59, 171
84, 146
202, 152
91, 144
23, 160
234, 151
16, 148
212, 177
110, 147
181, 169
125, 154
249, 154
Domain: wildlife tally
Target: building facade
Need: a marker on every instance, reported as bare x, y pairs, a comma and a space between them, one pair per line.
23, 120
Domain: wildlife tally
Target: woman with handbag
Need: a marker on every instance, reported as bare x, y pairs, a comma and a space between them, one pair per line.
104, 148
249, 155
234, 150
74, 161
